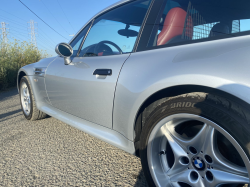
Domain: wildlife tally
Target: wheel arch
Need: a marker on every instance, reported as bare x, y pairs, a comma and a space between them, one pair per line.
158, 97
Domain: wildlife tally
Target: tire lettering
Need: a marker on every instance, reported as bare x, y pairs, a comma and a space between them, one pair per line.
178, 105
182, 104
172, 105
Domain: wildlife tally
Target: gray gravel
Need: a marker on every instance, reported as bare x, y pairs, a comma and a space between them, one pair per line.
51, 153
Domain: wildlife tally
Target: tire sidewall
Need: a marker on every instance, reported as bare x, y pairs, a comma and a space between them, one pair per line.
24, 79
205, 107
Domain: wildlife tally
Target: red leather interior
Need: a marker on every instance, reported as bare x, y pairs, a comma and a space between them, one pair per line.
100, 54
174, 25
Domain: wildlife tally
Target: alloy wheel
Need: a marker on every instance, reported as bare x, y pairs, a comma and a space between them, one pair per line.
189, 150
25, 98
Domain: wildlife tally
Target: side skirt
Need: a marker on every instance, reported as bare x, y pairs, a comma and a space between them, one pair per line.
103, 133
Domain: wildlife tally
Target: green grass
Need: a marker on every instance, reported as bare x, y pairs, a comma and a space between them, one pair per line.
13, 56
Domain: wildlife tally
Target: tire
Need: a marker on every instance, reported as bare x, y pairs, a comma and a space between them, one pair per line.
27, 101
180, 115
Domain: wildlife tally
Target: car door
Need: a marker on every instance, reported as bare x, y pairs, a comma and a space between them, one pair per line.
85, 88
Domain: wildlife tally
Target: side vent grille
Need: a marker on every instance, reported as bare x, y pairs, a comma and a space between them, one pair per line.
39, 71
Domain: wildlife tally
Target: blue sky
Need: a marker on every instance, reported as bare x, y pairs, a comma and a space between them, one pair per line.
57, 15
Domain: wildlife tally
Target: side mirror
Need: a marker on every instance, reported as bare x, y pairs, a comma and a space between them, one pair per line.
66, 51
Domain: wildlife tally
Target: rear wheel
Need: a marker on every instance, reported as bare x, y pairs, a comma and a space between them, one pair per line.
27, 100
196, 140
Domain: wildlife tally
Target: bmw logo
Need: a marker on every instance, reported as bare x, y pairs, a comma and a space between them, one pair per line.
198, 163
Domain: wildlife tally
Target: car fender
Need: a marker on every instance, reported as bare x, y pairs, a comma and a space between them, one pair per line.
36, 80
221, 65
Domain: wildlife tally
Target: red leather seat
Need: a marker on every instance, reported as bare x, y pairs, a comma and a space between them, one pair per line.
174, 25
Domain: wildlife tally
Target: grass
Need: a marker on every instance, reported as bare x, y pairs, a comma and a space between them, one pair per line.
13, 56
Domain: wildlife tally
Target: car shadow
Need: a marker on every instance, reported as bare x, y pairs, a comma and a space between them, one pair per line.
4, 115
141, 180
8, 93
9, 113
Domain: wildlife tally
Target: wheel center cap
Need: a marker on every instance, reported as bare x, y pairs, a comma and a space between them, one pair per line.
198, 163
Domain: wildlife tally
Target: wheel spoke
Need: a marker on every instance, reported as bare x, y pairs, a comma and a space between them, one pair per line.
222, 164
177, 167
197, 141
219, 162
199, 138
221, 177
24, 92
26, 106
175, 184
27, 92
208, 146
186, 177
178, 151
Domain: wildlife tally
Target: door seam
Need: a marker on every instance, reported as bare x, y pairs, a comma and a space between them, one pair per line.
115, 91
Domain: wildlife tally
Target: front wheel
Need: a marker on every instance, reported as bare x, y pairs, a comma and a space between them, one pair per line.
28, 103
197, 140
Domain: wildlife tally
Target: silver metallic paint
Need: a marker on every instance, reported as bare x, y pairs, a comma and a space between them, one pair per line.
220, 64
74, 89
39, 87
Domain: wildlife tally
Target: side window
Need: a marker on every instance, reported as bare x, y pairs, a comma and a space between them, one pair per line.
241, 25
116, 31
186, 21
75, 44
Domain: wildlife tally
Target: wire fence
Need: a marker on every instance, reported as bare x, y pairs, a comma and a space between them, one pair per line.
196, 27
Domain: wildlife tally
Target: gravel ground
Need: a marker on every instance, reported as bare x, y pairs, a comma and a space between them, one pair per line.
51, 153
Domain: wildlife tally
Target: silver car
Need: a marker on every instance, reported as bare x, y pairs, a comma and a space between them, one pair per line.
166, 80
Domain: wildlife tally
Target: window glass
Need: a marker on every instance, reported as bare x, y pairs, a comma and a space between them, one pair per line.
244, 24
115, 32
183, 21
75, 44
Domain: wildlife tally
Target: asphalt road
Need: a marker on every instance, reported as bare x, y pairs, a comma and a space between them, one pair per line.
49, 152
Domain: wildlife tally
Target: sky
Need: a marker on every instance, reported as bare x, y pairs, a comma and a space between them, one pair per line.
67, 17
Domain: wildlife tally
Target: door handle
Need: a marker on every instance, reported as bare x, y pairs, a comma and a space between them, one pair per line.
103, 72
